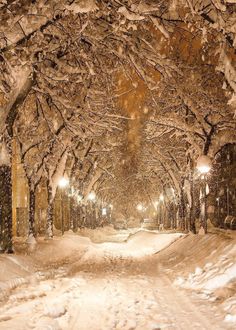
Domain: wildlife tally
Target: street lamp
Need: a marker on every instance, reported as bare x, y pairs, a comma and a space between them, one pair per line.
92, 196
156, 204
140, 207
204, 164
161, 197
110, 210
63, 182
204, 167
155, 214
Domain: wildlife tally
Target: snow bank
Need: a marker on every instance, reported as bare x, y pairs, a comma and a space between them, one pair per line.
137, 245
213, 275
230, 308
14, 271
23, 267
140, 244
98, 234
221, 280
60, 248
147, 242
12, 266
107, 234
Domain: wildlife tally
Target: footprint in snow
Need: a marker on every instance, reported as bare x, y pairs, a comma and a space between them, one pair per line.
4, 318
54, 311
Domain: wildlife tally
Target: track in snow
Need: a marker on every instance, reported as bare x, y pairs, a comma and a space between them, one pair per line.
120, 293
117, 300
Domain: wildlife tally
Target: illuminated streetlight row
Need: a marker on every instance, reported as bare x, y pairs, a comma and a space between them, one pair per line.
142, 208
63, 182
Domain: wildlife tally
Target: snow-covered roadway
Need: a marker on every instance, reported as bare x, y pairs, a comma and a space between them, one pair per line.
108, 287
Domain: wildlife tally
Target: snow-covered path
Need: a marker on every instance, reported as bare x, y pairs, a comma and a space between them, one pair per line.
114, 292
118, 300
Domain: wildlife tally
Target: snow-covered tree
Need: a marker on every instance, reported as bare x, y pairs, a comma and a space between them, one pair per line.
76, 71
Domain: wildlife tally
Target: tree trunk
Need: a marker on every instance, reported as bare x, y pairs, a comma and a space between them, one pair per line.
62, 211
74, 210
192, 219
203, 205
6, 209
182, 209
7, 120
82, 216
49, 227
32, 231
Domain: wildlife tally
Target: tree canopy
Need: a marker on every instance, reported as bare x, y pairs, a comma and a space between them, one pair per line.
124, 92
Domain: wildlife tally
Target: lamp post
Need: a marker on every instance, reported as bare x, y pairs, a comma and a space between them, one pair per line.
110, 212
204, 167
72, 203
218, 209
156, 203
104, 216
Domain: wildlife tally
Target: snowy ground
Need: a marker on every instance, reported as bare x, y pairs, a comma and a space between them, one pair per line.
140, 280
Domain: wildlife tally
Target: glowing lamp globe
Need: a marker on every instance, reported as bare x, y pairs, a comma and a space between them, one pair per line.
92, 196
204, 164
156, 204
139, 207
63, 182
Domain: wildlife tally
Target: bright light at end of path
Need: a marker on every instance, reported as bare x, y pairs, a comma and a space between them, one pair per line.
140, 207
63, 182
92, 196
104, 211
156, 204
162, 197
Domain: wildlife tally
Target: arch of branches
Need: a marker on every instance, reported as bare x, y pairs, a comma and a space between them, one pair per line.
123, 95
